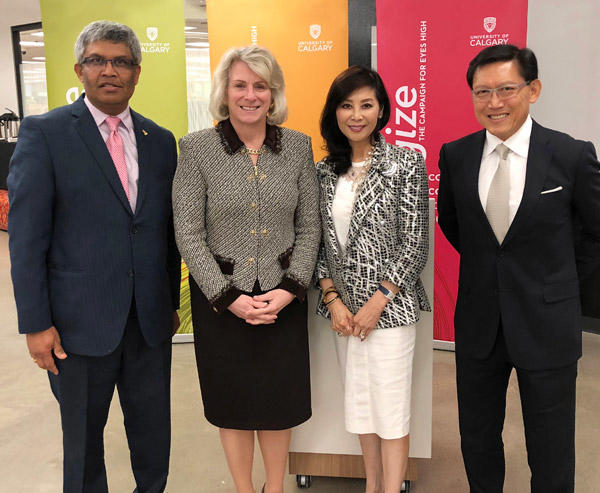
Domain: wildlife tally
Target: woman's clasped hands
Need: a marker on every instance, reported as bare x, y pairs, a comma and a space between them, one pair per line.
360, 325
261, 309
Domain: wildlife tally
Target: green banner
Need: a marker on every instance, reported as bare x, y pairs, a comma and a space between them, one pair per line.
161, 92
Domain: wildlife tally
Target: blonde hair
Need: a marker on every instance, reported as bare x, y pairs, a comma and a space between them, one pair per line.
262, 62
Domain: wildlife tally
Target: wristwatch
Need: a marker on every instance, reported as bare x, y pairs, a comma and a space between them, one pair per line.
386, 292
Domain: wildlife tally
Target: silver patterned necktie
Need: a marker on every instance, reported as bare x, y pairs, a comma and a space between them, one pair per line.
496, 208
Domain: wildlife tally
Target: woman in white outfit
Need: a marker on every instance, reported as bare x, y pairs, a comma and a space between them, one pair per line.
374, 214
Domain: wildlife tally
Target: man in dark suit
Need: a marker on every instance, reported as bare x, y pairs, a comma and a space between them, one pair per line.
95, 268
508, 199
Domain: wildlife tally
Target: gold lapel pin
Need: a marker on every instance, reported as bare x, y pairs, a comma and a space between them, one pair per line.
144, 132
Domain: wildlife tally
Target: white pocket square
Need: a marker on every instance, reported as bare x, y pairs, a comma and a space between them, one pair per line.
557, 189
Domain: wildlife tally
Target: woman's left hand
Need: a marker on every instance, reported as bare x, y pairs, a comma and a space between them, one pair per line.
367, 317
276, 299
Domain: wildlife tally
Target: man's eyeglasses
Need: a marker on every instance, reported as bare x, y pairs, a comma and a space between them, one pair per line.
100, 62
503, 92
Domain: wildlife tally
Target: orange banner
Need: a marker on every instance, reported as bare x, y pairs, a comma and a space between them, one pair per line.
309, 38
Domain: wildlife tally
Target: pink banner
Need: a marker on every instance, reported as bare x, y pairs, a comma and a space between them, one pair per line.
423, 50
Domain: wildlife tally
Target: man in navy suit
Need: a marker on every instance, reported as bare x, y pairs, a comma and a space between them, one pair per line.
510, 200
95, 268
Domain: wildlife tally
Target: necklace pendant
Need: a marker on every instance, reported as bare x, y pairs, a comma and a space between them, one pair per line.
253, 152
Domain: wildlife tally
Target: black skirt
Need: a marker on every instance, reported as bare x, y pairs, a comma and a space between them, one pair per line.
252, 377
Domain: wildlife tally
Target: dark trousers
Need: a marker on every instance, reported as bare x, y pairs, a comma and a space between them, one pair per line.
84, 388
548, 406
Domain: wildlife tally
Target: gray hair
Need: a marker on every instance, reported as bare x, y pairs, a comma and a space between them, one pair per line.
108, 31
262, 62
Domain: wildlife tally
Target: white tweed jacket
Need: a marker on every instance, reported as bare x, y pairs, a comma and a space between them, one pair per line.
388, 237
234, 226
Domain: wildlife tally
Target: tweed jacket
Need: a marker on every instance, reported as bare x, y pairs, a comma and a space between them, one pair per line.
388, 236
235, 224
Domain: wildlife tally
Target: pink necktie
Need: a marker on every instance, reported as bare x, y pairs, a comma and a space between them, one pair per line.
115, 148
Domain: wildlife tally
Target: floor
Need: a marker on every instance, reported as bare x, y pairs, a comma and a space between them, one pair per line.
30, 437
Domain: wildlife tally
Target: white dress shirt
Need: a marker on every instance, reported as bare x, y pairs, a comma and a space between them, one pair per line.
127, 134
518, 143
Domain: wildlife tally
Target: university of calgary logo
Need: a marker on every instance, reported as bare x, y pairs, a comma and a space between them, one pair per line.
315, 44
315, 30
154, 46
152, 33
489, 24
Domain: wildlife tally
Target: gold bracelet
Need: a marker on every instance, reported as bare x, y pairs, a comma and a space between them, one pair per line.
328, 290
332, 300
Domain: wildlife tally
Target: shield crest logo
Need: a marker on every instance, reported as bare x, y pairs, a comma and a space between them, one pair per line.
315, 30
152, 33
489, 24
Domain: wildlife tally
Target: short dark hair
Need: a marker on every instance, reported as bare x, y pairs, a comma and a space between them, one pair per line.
525, 58
336, 143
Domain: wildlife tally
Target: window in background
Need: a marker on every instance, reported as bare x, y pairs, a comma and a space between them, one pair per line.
197, 74
30, 69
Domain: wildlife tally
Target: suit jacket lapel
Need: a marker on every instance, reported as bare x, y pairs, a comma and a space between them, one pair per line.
369, 193
538, 157
141, 136
328, 182
89, 133
473, 156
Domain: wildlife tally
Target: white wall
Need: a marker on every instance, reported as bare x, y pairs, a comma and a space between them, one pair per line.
565, 36
12, 13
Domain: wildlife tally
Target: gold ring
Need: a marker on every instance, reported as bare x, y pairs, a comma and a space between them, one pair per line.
362, 336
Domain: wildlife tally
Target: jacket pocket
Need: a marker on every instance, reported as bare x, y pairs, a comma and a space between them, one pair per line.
559, 291
225, 264
284, 258
55, 271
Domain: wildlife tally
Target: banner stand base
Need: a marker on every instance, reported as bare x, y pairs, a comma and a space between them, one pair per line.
443, 345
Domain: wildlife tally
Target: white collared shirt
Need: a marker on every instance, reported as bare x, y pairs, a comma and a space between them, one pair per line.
518, 143
127, 133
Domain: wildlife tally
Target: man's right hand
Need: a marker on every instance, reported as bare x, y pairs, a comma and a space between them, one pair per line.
41, 346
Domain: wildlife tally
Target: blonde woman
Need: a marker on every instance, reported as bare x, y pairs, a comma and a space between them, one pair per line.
245, 200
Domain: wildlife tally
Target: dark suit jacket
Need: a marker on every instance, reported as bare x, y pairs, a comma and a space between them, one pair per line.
530, 281
79, 254
590, 295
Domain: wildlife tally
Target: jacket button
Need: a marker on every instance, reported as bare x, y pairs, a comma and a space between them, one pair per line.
130, 274
262, 177
251, 260
252, 232
250, 177
264, 232
253, 205
134, 230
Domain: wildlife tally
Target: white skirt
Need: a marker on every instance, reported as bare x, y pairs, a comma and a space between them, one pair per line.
377, 376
